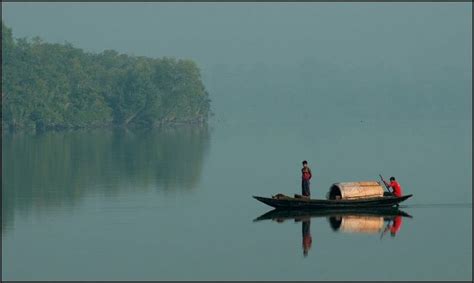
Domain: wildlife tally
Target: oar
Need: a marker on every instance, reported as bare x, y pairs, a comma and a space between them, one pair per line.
383, 181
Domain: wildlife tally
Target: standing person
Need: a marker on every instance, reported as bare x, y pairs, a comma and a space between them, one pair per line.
397, 189
305, 177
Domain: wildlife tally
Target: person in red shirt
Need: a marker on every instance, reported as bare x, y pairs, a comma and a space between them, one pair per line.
305, 177
397, 189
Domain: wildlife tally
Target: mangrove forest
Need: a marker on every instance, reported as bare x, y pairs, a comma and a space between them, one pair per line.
59, 86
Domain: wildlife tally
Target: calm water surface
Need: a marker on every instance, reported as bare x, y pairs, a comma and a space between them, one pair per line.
176, 203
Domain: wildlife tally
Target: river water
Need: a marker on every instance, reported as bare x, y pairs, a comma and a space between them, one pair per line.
177, 203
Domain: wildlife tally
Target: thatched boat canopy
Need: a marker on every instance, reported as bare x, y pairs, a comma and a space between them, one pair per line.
355, 190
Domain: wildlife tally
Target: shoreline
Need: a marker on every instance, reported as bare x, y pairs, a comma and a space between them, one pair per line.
161, 125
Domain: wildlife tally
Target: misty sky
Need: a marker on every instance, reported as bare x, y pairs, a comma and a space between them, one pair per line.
408, 45
210, 33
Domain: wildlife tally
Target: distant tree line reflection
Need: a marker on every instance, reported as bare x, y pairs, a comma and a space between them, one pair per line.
60, 168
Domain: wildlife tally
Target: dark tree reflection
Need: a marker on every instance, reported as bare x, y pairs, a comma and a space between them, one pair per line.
60, 168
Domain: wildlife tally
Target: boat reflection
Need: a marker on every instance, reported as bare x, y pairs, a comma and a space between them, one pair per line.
368, 221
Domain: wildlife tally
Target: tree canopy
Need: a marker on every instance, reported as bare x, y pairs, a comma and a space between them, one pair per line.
58, 86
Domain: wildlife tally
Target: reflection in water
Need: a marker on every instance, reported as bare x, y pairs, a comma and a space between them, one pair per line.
366, 221
307, 239
393, 226
57, 169
357, 224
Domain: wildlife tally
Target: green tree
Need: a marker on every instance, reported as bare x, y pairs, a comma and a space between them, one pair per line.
56, 86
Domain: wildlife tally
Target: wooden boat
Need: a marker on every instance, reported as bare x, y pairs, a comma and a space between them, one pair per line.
285, 214
306, 203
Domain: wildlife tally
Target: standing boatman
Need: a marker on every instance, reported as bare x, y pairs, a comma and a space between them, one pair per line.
305, 177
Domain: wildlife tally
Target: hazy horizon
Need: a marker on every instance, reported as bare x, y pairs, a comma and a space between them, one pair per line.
355, 51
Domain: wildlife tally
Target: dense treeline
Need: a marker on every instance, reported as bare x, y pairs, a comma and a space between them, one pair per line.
55, 86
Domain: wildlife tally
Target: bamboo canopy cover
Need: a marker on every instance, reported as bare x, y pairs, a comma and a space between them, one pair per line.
355, 190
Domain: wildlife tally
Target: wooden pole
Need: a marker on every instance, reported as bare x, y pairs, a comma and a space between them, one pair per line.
385, 184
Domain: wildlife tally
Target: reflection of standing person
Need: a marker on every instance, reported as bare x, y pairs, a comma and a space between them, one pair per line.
307, 239
305, 177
